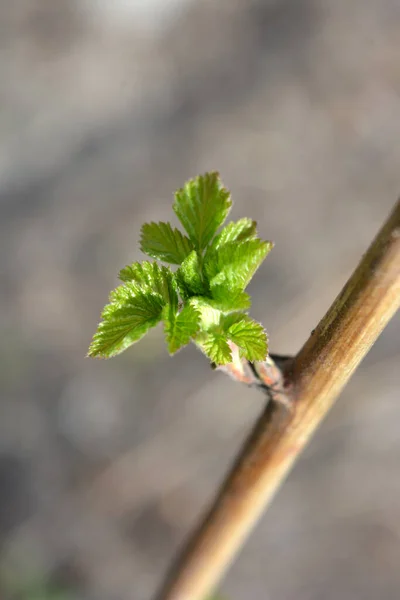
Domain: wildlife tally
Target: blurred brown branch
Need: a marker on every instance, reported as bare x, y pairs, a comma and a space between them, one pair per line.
312, 382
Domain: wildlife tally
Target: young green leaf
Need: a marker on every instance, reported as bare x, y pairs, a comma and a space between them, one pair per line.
159, 240
214, 270
189, 278
216, 347
202, 205
248, 335
144, 273
209, 314
227, 300
236, 231
130, 314
232, 266
180, 328
152, 277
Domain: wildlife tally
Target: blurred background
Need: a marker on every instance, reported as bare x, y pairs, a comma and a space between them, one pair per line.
106, 107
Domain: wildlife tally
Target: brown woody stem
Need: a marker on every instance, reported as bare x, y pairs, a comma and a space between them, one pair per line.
311, 383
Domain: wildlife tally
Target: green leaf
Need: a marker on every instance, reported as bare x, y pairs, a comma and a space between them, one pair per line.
232, 266
216, 346
180, 328
202, 205
130, 314
152, 277
210, 315
215, 266
247, 334
144, 274
188, 277
227, 300
211, 309
236, 231
159, 240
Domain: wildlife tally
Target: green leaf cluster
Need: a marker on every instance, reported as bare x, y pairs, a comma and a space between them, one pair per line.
203, 300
